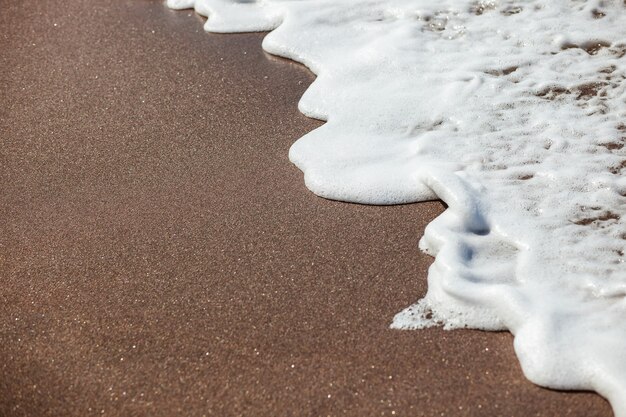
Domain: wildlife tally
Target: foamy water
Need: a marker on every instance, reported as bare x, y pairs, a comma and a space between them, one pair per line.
514, 114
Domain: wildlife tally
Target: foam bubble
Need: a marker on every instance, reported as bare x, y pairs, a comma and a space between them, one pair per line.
513, 113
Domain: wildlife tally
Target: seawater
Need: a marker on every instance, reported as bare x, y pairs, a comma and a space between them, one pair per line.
514, 114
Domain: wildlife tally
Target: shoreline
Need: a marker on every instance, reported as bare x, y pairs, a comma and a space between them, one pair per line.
163, 257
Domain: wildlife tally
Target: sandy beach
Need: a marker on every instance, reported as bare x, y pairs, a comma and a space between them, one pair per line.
160, 255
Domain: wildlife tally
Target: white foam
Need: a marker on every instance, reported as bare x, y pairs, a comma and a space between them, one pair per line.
513, 113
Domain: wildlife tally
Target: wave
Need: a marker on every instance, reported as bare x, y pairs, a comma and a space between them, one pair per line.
514, 114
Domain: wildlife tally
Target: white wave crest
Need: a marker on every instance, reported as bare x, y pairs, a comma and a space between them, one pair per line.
514, 113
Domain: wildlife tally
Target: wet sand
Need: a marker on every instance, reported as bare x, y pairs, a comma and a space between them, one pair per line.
160, 256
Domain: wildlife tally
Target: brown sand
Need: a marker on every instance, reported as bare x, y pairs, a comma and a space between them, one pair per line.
160, 256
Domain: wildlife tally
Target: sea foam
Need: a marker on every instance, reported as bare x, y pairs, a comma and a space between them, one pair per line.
514, 114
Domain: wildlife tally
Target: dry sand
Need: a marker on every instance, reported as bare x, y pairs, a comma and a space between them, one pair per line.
160, 256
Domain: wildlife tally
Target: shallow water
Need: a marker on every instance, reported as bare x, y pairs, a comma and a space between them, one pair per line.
514, 114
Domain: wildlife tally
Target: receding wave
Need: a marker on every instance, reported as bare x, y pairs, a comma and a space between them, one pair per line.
514, 114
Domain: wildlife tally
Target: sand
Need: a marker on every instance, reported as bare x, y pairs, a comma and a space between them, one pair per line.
160, 256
